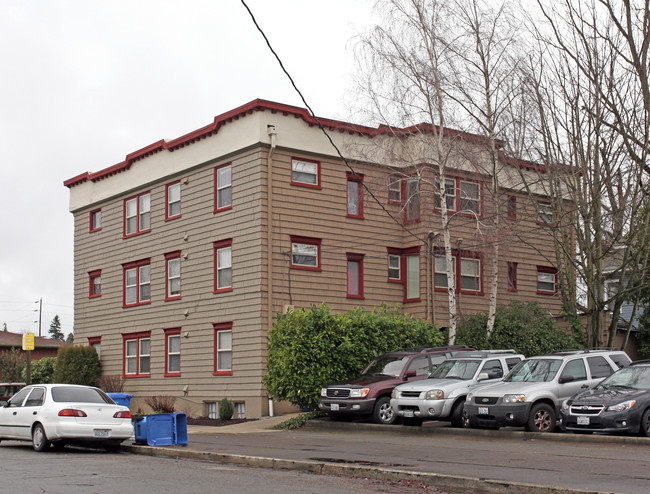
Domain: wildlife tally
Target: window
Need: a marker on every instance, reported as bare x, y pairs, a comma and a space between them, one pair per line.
470, 197
461, 196
355, 195
467, 271
137, 214
137, 354
173, 270
355, 275
512, 276
412, 210
545, 214
512, 208
574, 369
96, 343
395, 189
412, 284
305, 253
95, 284
240, 410
95, 220
223, 188
36, 398
450, 194
173, 200
172, 352
494, 369
404, 267
512, 361
305, 173
137, 283
223, 348
223, 266
546, 280
599, 367
211, 409
394, 268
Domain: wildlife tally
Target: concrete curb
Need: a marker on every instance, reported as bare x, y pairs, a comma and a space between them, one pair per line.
445, 482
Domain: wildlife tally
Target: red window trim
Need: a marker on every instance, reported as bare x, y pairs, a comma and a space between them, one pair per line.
92, 223
550, 270
458, 209
167, 217
458, 256
137, 231
94, 340
512, 287
222, 326
169, 256
408, 252
394, 251
351, 257
217, 209
358, 178
317, 185
394, 177
170, 332
137, 265
92, 275
297, 239
220, 244
511, 200
135, 336
405, 182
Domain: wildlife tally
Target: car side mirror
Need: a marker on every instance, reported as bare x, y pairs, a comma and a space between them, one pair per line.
566, 379
483, 376
410, 373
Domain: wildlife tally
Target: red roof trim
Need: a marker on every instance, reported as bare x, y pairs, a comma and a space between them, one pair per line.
248, 109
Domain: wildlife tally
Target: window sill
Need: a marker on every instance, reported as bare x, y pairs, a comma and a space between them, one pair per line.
222, 373
128, 306
223, 290
125, 236
170, 218
131, 376
221, 210
171, 299
172, 374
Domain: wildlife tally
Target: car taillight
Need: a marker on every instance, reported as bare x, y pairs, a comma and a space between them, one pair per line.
71, 412
122, 415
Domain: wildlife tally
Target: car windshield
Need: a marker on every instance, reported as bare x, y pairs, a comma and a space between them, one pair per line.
456, 369
386, 366
628, 377
538, 370
78, 394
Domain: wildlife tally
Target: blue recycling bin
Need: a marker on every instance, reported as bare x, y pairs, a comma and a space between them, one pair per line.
162, 429
123, 399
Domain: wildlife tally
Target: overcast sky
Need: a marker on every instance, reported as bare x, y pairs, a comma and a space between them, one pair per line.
84, 83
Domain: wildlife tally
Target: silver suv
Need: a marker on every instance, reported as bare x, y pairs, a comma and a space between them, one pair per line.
442, 395
531, 394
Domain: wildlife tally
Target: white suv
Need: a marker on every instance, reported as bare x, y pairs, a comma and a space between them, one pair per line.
531, 394
442, 395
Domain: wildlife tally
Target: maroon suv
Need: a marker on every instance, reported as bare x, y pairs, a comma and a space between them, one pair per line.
369, 393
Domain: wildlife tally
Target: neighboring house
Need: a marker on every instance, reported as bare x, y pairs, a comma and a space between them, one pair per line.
43, 347
186, 251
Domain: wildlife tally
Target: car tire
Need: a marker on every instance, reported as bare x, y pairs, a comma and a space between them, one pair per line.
541, 419
467, 423
644, 427
39, 439
383, 413
457, 414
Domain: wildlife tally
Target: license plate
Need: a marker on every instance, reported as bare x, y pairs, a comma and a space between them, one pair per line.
483, 411
408, 413
102, 432
334, 407
583, 420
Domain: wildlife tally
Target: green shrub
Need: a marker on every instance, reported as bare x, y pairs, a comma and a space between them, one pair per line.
526, 328
42, 371
310, 348
12, 364
77, 365
226, 409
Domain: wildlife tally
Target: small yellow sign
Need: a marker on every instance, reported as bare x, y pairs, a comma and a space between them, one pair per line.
28, 341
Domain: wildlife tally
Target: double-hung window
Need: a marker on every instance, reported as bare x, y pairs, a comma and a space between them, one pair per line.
173, 275
545, 214
404, 267
137, 354
137, 283
137, 214
467, 271
223, 266
512, 208
546, 280
461, 196
96, 220
449, 192
440, 278
95, 283
96, 343
223, 348
470, 197
394, 267
512, 276
412, 207
172, 352
173, 200
395, 189
355, 275
355, 195
305, 253
305, 173
223, 188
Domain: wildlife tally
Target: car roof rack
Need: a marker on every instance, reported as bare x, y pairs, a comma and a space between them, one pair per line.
640, 362
485, 353
575, 351
432, 348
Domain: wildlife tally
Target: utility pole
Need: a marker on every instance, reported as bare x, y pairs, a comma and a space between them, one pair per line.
40, 315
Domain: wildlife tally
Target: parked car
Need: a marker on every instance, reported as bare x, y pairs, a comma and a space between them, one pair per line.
7, 390
58, 414
443, 394
531, 394
369, 393
621, 403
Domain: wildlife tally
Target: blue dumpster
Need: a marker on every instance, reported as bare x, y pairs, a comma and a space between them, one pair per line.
162, 429
123, 399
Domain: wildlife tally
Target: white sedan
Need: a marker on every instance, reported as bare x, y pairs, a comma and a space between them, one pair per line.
58, 414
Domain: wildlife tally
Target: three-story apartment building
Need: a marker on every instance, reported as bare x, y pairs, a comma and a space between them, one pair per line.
186, 251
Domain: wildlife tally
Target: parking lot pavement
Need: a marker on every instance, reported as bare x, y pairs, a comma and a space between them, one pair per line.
447, 458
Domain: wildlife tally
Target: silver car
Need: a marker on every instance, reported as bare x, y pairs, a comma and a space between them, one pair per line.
442, 395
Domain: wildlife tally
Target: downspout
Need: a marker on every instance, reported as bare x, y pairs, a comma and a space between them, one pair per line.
270, 130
